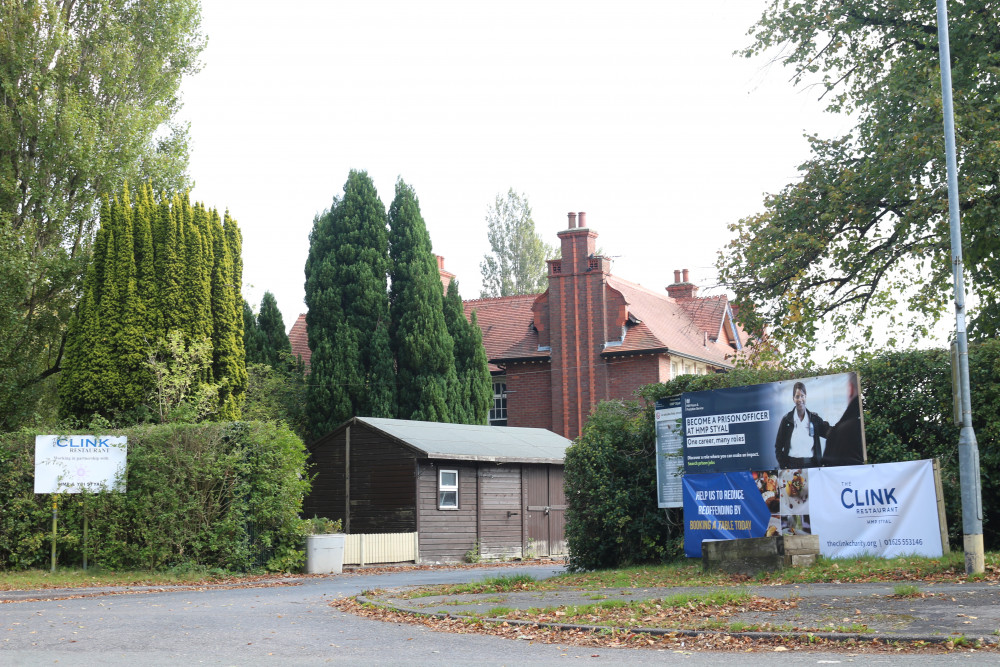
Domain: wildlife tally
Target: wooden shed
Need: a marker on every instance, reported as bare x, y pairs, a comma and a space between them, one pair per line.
455, 485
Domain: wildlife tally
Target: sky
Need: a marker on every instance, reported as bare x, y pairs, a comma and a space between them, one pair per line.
637, 113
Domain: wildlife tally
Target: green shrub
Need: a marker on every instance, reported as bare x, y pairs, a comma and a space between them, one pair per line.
213, 495
321, 525
612, 518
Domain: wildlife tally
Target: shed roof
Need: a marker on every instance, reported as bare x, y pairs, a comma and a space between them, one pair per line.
498, 444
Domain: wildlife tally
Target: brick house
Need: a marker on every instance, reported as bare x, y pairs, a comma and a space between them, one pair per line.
591, 336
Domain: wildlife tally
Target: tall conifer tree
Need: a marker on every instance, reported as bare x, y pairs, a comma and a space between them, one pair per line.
228, 358
273, 340
123, 319
348, 318
251, 336
421, 344
157, 269
471, 364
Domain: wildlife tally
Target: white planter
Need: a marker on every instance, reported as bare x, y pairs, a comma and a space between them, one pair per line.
325, 553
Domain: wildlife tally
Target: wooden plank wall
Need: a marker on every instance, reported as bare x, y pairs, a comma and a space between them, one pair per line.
500, 517
446, 535
326, 461
383, 495
557, 518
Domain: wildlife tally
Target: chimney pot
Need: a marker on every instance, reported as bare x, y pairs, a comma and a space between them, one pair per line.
686, 275
677, 276
582, 216
572, 220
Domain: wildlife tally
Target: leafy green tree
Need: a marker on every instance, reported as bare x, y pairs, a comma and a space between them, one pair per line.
421, 344
276, 349
516, 264
348, 319
179, 394
276, 394
475, 385
196, 235
90, 91
864, 233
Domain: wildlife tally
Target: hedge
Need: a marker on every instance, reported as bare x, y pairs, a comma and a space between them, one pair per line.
613, 518
215, 495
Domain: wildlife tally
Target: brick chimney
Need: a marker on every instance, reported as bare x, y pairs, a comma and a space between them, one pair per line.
446, 276
682, 287
577, 246
577, 295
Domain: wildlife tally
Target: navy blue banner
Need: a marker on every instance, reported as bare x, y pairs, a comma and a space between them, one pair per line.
725, 506
804, 423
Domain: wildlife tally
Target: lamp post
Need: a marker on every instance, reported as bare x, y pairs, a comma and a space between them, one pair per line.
968, 448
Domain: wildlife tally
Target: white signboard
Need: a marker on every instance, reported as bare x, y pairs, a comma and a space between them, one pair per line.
669, 454
887, 510
75, 463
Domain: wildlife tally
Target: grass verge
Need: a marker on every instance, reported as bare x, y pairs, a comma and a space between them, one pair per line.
95, 577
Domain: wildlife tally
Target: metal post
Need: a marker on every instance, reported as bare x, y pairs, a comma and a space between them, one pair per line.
968, 448
85, 533
55, 516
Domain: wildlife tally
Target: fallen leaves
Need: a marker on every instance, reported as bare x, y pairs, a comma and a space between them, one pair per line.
677, 641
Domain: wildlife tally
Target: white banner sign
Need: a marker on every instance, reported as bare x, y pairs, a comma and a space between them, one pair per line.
886, 510
75, 463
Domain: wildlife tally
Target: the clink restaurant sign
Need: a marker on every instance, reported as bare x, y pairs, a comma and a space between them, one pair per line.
76, 463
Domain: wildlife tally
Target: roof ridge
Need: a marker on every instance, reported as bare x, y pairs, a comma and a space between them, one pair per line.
649, 291
510, 297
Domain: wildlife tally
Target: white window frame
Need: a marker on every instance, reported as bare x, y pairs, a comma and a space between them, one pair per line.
444, 488
498, 410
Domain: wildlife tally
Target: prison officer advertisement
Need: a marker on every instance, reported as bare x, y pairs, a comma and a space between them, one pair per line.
792, 424
669, 454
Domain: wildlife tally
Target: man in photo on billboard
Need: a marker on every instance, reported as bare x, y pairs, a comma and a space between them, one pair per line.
845, 440
797, 444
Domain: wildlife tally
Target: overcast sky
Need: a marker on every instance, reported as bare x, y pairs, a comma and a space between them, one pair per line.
635, 112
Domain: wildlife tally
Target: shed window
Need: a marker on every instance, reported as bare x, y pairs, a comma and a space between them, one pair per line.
447, 489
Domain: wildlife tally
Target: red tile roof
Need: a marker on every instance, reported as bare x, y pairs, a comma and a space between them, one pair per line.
505, 323
299, 339
689, 327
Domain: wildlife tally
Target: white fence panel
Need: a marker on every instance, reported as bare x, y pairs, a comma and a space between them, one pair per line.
380, 548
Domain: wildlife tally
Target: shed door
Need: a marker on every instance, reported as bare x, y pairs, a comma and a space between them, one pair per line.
544, 510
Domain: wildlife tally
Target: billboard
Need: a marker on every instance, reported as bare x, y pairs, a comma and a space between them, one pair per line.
804, 423
669, 452
886, 510
76, 463
722, 506
889, 510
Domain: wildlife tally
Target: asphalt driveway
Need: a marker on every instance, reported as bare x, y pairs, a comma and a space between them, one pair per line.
295, 625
